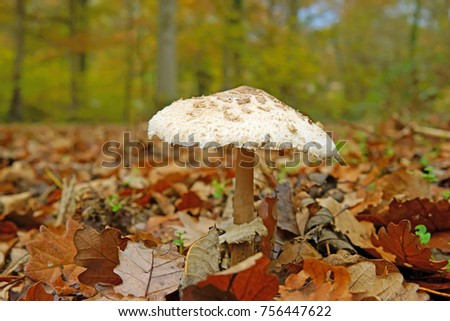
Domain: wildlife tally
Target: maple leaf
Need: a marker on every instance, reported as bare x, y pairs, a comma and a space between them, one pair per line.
434, 215
246, 281
151, 273
52, 261
99, 253
400, 241
328, 283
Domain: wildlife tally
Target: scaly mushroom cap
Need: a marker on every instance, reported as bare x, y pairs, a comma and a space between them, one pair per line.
244, 117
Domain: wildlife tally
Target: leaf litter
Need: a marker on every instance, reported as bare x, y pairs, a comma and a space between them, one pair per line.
71, 229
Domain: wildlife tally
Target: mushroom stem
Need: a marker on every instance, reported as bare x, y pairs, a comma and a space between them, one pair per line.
243, 200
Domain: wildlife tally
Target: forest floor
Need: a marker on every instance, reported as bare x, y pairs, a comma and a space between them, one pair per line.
74, 225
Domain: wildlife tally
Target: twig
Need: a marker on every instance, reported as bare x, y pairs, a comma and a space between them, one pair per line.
66, 204
53, 178
446, 295
429, 131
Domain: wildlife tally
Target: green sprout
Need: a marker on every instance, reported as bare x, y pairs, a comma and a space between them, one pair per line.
114, 202
180, 241
421, 232
219, 188
389, 151
446, 195
429, 174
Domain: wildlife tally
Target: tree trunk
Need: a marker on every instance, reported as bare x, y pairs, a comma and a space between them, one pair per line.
166, 73
413, 85
129, 59
233, 42
15, 107
78, 57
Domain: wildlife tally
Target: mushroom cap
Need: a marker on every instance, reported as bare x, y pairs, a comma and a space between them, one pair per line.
245, 117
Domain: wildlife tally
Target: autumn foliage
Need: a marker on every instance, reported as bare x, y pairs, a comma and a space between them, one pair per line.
71, 229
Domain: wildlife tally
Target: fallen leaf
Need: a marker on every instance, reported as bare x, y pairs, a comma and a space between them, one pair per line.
434, 215
246, 281
358, 232
202, 259
99, 254
294, 251
285, 209
166, 207
406, 247
149, 273
8, 231
189, 200
13, 203
52, 261
244, 232
194, 228
37, 293
365, 283
328, 283
267, 212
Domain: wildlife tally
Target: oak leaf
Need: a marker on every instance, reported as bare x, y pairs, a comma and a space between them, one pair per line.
99, 254
52, 261
150, 273
246, 281
365, 283
328, 283
202, 259
406, 247
434, 215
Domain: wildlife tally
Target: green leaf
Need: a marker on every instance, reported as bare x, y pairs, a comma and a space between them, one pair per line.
421, 231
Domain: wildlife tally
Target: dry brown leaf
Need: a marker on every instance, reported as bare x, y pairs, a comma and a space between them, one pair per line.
8, 231
194, 228
244, 232
164, 203
13, 203
246, 281
149, 273
358, 232
37, 293
52, 261
189, 200
202, 259
328, 283
267, 212
99, 254
294, 251
285, 209
406, 247
365, 283
434, 215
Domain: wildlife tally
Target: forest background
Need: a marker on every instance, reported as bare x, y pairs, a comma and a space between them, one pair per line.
121, 61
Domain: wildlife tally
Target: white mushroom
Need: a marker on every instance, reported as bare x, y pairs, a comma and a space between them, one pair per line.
246, 118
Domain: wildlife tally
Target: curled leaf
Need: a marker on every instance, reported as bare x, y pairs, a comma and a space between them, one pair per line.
400, 241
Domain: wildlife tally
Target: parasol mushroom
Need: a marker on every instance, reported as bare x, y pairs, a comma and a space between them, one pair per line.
248, 119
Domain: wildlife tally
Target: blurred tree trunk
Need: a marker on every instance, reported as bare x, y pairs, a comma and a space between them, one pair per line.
166, 73
129, 57
143, 61
232, 47
293, 7
15, 107
78, 57
413, 36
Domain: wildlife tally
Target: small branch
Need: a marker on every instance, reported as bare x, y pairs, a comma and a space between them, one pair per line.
446, 295
428, 131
